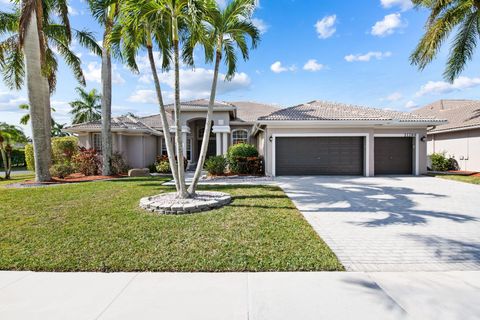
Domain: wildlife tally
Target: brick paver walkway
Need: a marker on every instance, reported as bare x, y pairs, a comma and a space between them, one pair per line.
393, 223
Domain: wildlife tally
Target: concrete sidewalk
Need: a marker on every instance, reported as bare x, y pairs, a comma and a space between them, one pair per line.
336, 295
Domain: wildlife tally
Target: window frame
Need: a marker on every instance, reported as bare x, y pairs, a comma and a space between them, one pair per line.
246, 140
94, 143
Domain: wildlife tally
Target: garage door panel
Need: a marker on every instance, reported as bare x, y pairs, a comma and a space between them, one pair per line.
393, 155
319, 156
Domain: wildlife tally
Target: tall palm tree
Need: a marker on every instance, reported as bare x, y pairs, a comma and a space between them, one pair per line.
445, 17
9, 135
136, 30
106, 12
87, 108
28, 35
25, 119
228, 30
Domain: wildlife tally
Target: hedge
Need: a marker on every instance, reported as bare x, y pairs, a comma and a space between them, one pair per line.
18, 158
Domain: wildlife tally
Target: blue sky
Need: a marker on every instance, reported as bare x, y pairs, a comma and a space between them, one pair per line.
346, 51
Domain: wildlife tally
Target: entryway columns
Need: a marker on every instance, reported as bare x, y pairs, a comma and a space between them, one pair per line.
222, 138
185, 131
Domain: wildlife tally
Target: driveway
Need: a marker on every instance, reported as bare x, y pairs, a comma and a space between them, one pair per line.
393, 223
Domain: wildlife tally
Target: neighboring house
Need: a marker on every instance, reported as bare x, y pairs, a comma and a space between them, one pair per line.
460, 137
317, 138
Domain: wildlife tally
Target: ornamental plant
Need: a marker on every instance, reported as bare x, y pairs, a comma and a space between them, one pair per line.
88, 162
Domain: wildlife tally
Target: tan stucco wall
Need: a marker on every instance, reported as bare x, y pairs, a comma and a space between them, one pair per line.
369, 132
463, 146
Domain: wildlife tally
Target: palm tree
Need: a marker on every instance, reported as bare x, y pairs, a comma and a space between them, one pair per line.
446, 16
136, 30
25, 119
57, 130
106, 11
87, 108
30, 32
228, 31
9, 135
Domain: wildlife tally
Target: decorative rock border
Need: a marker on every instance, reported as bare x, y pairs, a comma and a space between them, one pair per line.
168, 203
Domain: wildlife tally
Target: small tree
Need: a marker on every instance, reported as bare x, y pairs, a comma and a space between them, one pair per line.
9, 135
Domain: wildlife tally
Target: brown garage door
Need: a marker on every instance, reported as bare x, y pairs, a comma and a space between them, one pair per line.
319, 156
393, 155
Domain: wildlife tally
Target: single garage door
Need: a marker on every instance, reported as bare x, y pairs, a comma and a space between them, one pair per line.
319, 156
393, 155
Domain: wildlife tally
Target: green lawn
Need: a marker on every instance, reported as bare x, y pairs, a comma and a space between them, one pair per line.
467, 179
99, 227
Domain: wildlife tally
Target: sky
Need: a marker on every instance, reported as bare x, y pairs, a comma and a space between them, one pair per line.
354, 52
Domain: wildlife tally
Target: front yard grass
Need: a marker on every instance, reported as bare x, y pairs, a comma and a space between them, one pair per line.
97, 226
467, 179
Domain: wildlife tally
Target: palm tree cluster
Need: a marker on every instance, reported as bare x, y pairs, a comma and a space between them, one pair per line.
9, 135
172, 27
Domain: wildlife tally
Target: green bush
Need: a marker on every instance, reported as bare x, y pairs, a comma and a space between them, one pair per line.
119, 165
163, 166
29, 158
88, 162
18, 158
64, 148
441, 163
62, 169
238, 156
216, 165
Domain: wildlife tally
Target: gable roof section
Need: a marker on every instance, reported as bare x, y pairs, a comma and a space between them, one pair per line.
461, 114
332, 111
201, 104
249, 112
124, 123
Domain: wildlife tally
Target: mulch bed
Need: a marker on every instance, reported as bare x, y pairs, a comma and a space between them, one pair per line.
73, 178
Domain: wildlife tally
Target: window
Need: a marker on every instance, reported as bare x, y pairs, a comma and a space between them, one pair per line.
97, 142
189, 146
164, 147
239, 136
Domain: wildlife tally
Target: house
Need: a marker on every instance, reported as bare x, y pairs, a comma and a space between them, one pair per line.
460, 137
316, 138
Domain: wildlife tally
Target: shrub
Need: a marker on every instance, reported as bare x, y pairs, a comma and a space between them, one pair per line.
238, 157
62, 169
64, 148
163, 166
152, 168
216, 165
29, 158
88, 162
18, 158
119, 165
441, 163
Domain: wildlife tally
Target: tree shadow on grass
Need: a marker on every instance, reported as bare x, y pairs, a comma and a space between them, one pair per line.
343, 194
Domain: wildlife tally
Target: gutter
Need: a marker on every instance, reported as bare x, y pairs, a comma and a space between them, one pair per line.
286, 123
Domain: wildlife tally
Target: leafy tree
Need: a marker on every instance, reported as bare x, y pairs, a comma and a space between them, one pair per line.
87, 108
462, 17
9, 135
227, 30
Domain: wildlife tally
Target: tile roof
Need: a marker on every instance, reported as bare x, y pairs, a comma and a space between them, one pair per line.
123, 122
251, 111
202, 104
461, 114
331, 111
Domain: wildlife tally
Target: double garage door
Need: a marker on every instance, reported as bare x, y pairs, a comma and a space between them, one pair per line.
340, 156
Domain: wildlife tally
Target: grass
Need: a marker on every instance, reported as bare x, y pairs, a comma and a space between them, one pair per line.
467, 179
97, 226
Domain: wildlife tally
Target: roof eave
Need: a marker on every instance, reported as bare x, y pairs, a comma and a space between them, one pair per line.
393, 123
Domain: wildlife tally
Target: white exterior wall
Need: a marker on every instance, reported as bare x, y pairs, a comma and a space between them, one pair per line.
463, 146
368, 133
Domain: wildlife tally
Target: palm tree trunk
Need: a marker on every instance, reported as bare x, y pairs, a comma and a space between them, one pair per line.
163, 117
36, 97
208, 126
48, 122
106, 106
182, 193
8, 165
4, 160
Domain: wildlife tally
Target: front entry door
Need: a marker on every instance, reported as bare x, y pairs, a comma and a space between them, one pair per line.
212, 148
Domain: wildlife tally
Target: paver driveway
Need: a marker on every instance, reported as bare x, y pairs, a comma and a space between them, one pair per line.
393, 223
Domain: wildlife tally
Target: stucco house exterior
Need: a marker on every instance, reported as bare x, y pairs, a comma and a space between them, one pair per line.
316, 138
460, 137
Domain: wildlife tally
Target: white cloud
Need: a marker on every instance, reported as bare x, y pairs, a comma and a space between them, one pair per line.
277, 67
437, 87
326, 27
94, 73
195, 84
260, 24
368, 56
72, 11
402, 4
411, 105
10, 101
394, 96
388, 25
312, 65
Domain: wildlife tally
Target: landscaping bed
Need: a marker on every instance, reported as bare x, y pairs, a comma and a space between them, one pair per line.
73, 178
99, 226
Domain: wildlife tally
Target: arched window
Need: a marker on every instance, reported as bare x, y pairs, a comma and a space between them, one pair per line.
239, 136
